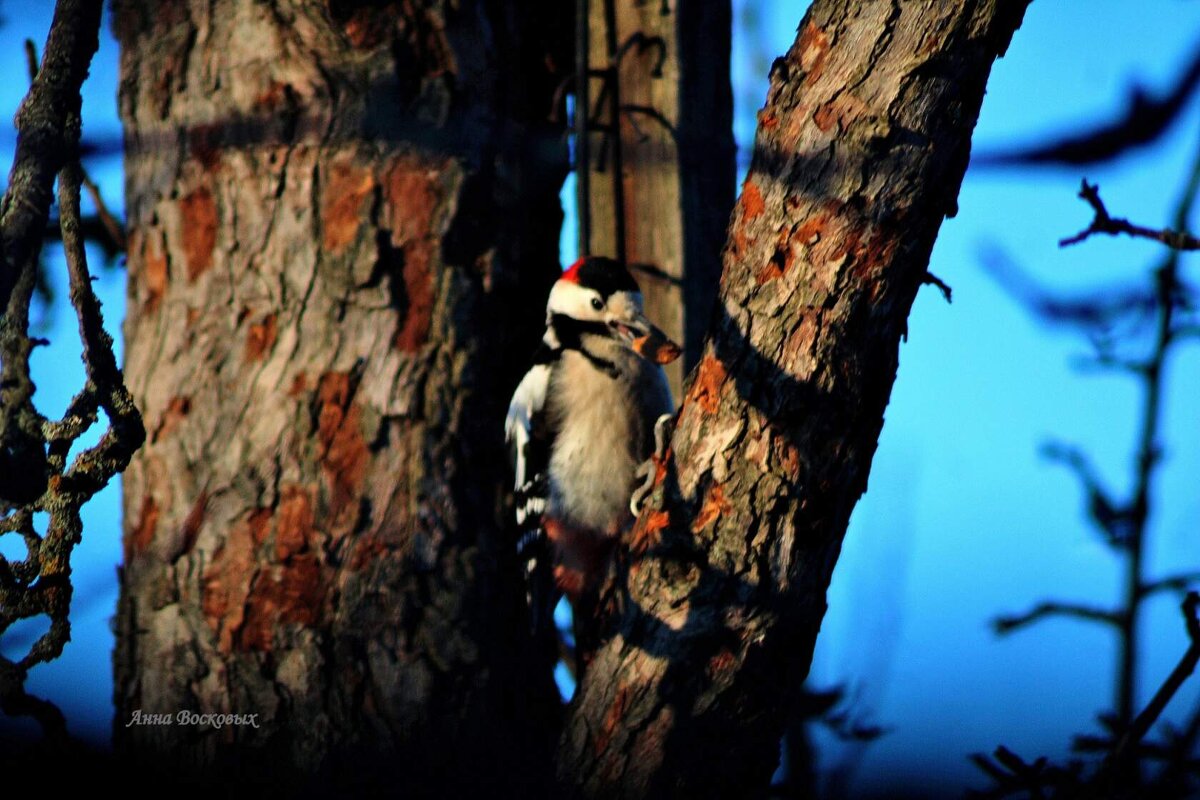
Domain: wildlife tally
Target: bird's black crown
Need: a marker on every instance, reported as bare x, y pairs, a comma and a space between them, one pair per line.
602, 274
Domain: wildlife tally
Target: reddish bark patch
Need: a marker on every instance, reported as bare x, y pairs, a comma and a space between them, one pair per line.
780, 261
342, 451
715, 505
226, 582
787, 455
260, 339
872, 258
768, 120
177, 409
346, 190
648, 531
770, 272
809, 232
154, 271
412, 188
293, 523
273, 96
813, 49
204, 145
199, 212
612, 719
825, 117
259, 525
291, 593
706, 388
741, 243
752, 202
367, 549
192, 524
413, 330
720, 663
413, 193
145, 528
367, 25
299, 384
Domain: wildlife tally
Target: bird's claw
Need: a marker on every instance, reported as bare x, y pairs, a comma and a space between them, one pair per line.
648, 469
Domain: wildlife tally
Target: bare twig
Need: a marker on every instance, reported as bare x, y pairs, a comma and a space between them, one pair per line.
1009, 624
33, 450
1173, 583
1142, 122
1102, 222
1187, 665
31, 59
933, 280
113, 226
110, 232
1112, 518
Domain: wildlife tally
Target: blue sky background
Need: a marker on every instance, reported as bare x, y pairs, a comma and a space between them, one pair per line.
962, 520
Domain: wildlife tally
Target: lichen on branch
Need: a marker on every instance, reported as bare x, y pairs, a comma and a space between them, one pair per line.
37, 474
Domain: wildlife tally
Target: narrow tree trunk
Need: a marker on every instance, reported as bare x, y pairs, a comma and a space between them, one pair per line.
342, 229
860, 152
677, 161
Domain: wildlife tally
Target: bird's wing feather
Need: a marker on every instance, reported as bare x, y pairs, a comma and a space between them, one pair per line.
527, 431
528, 438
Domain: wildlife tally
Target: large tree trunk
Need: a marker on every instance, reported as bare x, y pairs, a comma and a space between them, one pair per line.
677, 161
860, 151
342, 227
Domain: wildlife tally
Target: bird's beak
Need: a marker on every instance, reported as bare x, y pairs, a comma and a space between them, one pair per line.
645, 339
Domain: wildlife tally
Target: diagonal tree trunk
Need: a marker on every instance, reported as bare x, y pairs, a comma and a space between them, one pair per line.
860, 152
342, 231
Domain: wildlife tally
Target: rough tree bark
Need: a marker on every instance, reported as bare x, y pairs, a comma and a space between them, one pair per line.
860, 152
342, 232
678, 156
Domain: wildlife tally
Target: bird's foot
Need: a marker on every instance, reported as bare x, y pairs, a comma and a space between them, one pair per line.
647, 471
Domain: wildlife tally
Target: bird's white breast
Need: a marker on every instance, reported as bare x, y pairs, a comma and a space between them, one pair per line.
598, 443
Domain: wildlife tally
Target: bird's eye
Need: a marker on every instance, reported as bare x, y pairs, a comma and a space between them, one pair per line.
597, 303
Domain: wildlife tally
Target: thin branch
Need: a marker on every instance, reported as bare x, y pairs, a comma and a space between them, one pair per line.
116, 231
110, 232
1173, 583
33, 450
1112, 518
933, 280
1005, 625
1145, 119
1186, 666
1115, 226
1110, 362
1099, 311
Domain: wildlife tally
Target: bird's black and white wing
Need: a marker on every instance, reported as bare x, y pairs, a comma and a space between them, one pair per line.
525, 432
528, 436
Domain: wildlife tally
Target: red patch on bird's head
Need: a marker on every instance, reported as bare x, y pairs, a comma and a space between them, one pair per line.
572, 273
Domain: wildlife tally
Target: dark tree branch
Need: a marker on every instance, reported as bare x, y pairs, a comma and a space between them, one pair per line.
1005, 625
1173, 583
32, 447
110, 224
933, 280
1115, 226
1110, 517
1183, 670
1099, 311
1144, 121
1127, 525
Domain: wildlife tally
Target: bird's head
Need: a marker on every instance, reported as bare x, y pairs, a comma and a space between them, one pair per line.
598, 297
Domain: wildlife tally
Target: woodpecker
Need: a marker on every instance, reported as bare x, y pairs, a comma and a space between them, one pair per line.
580, 424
